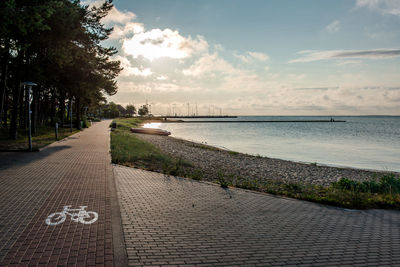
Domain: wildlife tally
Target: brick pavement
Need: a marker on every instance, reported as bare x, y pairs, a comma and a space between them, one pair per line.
170, 221
75, 171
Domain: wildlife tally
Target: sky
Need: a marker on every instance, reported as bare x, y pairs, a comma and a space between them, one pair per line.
259, 57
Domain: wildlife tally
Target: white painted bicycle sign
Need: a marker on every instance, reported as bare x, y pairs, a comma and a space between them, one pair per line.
77, 215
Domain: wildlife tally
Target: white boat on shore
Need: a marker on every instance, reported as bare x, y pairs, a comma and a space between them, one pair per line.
150, 131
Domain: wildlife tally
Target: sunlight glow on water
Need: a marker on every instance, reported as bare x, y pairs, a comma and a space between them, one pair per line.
361, 142
153, 125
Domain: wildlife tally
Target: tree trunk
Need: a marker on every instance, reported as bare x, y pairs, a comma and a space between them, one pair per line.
53, 107
4, 74
5, 109
14, 114
22, 108
62, 108
16, 96
78, 113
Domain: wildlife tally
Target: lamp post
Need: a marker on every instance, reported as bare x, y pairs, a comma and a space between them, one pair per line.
29, 88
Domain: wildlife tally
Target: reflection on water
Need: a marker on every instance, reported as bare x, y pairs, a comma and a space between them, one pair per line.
152, 125
361, 142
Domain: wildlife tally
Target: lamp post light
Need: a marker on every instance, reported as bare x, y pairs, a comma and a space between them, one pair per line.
29, 85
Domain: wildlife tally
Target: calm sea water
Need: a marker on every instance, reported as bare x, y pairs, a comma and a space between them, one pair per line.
360, 142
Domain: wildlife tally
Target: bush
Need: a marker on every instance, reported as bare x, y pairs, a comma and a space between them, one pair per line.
388, 184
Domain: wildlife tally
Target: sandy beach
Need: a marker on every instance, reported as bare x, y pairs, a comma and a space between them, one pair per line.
211, 161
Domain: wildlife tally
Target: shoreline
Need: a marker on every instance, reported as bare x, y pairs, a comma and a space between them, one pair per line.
212, 161
294, 161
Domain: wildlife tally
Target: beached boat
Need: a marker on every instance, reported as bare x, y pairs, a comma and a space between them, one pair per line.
150, 131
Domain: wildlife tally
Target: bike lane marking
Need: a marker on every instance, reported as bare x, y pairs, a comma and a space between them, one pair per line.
77, 215
85, 182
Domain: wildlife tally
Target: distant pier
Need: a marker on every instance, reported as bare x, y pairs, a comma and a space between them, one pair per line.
200, 117
258, 121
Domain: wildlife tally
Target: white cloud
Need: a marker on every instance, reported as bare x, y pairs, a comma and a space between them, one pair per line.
391, 7
140, 72
116, 16
333, 27
259, 56
129, 70
296, 76
251, 56
349, 62
128, 28
309, 56
209, 63
158, 43
162, 78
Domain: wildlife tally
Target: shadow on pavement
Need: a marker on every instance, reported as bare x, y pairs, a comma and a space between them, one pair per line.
15, 159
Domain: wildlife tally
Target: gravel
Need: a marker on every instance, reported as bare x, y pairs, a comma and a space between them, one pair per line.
212, 160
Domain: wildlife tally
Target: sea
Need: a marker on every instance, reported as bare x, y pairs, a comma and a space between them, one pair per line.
364, 142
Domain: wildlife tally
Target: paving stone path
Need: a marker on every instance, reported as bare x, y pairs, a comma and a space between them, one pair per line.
170, 221
75, 171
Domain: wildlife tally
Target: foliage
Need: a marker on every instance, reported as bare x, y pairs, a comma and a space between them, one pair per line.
131, 110
110, 110
223, 182
344, 193
58, 45
387, 184
143, 110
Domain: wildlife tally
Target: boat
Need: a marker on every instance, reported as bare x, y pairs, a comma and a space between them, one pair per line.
150, 131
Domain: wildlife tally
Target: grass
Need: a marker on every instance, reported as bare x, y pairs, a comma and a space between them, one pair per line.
43, 137
128, 150
383, 192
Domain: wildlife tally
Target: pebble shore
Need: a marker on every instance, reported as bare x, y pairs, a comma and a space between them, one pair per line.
212, 160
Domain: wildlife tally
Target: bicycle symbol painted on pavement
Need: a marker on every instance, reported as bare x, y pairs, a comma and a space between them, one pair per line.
77, 215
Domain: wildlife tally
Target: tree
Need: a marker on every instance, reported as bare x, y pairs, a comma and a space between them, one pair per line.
110, 110
131, 110
143, 110
58, 45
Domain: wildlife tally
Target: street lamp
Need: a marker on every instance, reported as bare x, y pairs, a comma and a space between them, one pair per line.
29, 85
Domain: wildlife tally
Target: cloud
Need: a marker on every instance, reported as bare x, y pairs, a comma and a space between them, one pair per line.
162, 78
296, 76
209, 63
333, 27
158, 43
128, 28
259, 56
391, 7
309, 56
251, 56
349, 62
129, 70
116, 16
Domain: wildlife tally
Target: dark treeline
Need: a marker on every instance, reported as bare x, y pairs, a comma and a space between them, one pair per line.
57, 45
